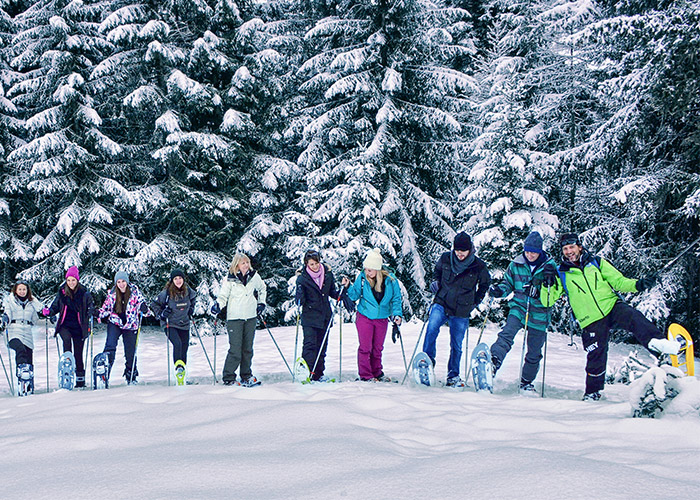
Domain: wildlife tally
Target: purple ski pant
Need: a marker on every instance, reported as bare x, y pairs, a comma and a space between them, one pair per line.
371, 333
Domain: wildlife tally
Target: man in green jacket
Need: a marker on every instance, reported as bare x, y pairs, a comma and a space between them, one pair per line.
590, 283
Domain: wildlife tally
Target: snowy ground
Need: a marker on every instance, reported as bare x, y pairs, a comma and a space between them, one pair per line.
346, 440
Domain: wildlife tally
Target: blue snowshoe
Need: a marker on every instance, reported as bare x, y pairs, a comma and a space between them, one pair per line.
66, 371
423, 373
25, 379
482, 368
100, 371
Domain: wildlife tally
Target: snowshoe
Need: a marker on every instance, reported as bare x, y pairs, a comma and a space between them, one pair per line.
482, 368
25, 379
423, 373
455, 382
250, 382
100, 371
66, 371
302, 373
592, 396
180, 372
527, 388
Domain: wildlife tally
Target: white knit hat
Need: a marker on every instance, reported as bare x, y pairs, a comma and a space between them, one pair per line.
373, 260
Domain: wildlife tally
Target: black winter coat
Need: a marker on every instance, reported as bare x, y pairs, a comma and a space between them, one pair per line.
182, 308
460, 293
316, 310
83, 303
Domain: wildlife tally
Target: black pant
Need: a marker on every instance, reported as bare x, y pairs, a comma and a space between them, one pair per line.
180, 339
23, 354
74, 342
313, 338
595, 340
129, 340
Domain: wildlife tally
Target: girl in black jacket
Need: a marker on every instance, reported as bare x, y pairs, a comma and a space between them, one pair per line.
315, 284
75, 307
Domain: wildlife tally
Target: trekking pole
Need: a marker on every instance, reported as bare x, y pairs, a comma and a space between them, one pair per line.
296, 339
167, 345
136, 349
395, 332
522, 356
678, 256
216, 322
196, 331
544, 360
9, 382
415, 349
92, 369
276, 345
325, 339
9, 362
46, 328
340, 338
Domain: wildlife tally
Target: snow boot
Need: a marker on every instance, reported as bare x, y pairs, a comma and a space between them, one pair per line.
454, 382
664, 346
592, 396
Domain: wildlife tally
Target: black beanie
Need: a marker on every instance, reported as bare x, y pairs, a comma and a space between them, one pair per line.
569, 239
463, 242
177, 272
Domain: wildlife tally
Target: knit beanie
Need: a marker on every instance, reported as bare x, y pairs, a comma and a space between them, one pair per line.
177, 272
569, 239
373, 260
121, 275
462, 242
73, 272
533, 242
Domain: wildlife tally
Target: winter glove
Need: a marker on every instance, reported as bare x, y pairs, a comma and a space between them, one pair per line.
496, 292
143, 308
395, 333
434, 287
260, 308
646, 283
165, 313
532, 290
52, 319
550, 275
215, 309
44, 313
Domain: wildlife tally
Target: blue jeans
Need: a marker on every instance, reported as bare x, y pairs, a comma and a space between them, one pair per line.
458, 326
129, 340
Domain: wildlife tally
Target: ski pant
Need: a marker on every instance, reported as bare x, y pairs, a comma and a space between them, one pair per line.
371, 334
504, 342
595, 340
23, 354
180, 339
241, 334
314, 347
129, 341
458, 327
74, 342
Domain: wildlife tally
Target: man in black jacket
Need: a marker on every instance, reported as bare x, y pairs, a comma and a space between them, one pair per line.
460, 282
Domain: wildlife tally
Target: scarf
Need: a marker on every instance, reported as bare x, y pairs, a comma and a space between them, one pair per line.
317, 276
459, 266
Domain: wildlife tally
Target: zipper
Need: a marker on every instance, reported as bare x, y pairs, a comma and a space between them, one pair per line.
589, 288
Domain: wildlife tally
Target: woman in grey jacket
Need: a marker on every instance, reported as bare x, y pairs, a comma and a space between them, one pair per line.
174, 307
21, 314
243, 295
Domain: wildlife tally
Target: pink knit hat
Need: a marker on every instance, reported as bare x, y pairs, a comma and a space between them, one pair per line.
73, 271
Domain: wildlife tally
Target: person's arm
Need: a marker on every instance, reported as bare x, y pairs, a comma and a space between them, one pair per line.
616, 279
355, 290
396, 299
483, 286
261, 287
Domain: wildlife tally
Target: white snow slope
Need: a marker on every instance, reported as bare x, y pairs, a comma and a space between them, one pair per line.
344, 440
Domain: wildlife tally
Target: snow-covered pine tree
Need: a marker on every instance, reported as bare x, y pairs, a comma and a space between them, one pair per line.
64, 164
380, 95
506, 197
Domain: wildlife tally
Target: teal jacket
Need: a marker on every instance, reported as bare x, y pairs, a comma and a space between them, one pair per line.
518, 275
368, 307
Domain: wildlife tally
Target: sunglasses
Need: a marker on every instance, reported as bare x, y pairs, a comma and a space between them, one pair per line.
569, 241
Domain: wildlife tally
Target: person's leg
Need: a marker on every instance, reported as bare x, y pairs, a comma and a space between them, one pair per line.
505, 339
436, 319
365, 330
66, 343
129, 341
458, 327
247, 348
535, 341
595, 342
378, 337
233, 357
625, 317
113, 334
174, 335
78, 345
23, 354
309, 350
185, 343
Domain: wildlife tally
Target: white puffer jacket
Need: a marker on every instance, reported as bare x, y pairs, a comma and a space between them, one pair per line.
239, 299
22, 318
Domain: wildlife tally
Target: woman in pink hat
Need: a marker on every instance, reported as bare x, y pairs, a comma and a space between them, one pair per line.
75, 307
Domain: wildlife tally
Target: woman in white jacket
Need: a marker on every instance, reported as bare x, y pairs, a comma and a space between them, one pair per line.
21, 314
243, 295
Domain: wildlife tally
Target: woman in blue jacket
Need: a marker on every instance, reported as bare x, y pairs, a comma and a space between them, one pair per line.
379, 298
